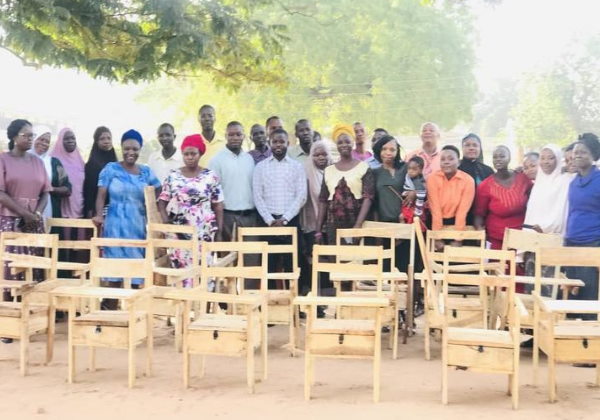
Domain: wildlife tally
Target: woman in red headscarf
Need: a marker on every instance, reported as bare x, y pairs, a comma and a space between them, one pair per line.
192, 195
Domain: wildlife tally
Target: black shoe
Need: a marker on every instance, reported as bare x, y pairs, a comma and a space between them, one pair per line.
6, 340
302, 315
320, 312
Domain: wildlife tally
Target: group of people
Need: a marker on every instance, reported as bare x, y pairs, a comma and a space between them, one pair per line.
212, 183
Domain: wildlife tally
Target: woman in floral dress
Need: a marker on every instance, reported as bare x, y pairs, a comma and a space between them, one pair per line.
192, 196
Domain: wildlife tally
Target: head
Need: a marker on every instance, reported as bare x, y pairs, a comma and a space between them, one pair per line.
550, 159
501, 158
258, 135
20, 135
103, 139
69, 140
360, 132
234, 133
131, 144
319, 153
192, 148
471, 147
530, 164
272, 124
316, 136
343, 137
415, 167
166, 135
449, 160
430, 134
304, 133
41, 142
207, 118
569, 161
387, 151
377, 134
586, 152
279, 143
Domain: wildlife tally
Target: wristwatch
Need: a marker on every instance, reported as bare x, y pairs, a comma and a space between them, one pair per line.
285, 222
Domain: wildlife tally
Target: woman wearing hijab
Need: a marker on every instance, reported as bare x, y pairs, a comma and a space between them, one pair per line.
472, 164
319, 158
66, 151
348, 189
59, 180
101, 154
126, 215
192, 196
548, 202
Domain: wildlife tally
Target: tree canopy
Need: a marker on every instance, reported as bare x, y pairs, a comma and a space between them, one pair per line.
135, 40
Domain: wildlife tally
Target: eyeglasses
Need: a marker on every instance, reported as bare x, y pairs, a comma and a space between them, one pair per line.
27, 135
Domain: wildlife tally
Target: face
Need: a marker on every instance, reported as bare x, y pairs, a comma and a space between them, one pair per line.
582, 157
105, 141
166, 136
530, 166
360, 133
191, 157
500, 158
389, 152
316, 136
258, 135
414, 170
279, 144
471, 149
547, 161
235, 136
69, 141
274, 124
449, 162
320, 158
24, 139
377, 135
304, 133
131, 151
570, 162
429, 134
344, 145
207, 119
42, 144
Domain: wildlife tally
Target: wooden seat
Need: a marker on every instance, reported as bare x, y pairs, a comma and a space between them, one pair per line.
494, 347
281, 309
215, 332
344, 338
33, 314
562, 340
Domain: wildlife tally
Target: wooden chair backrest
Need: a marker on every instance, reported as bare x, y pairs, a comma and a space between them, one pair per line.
361, 234
261, 233
125, 268
152, 214
60, 223
347, 259
164, 236
566, 257
432, 289
240, 272
47, 242
529, 240
468, 234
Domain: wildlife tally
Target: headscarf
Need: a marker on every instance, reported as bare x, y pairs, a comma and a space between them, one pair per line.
132, 135
38, 131
314, 175
96, 162
547, 206
475, 167
194, 140
72, 206
340, 129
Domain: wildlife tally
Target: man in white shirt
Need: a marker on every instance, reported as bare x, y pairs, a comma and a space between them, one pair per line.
235, 169
169, 157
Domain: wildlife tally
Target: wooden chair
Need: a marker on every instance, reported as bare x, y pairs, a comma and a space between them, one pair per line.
281, 308
395, 283
490, 349
215, 332
119, 329
565, 340
465, 309
33, 314
344, 338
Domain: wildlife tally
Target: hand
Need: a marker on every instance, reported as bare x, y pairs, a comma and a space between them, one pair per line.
218, 236
30, 218
401, 218
98, 220
439, 245
537, 228
277, 223
456, 243
318, 237
410, 198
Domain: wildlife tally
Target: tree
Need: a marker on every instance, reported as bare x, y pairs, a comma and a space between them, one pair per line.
135, 40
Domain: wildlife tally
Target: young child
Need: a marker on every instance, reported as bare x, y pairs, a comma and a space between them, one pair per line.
415, 181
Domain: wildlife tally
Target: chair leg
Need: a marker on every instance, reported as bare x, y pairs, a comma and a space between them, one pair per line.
427, 340
131, 362
186, 368
264, 349
597, 374
250, 367
395, 338
50, 336
536, 356
514, 390
24, 352
149, 345
307, 374
551, 378
444, 370
71, 372
376, 374
178, 328
202, 366
292, 331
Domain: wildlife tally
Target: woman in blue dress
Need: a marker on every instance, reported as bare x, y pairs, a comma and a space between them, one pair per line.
126, 216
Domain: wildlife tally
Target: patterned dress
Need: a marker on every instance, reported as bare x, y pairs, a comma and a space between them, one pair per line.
190, 203
126, 214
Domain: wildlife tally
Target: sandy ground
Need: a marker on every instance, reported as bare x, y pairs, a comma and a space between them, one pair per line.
410, 387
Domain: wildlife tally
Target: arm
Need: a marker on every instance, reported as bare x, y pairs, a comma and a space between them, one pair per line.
42, 202
301, 191
434, 203
217, 208
98, 219
464, 204
162, 210
257, 191
217, 201
15, 207
368, 193
482, 204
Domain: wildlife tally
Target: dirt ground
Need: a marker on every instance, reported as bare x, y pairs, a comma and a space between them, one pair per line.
410, 387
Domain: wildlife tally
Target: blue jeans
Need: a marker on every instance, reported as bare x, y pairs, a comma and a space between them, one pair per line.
589, 276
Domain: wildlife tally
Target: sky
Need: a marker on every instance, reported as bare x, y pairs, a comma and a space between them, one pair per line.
514, 36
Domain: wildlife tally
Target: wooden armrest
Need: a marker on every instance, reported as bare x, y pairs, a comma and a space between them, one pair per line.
17, 285
572, 306
225, 261
550, 281
373, 302
254, 299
